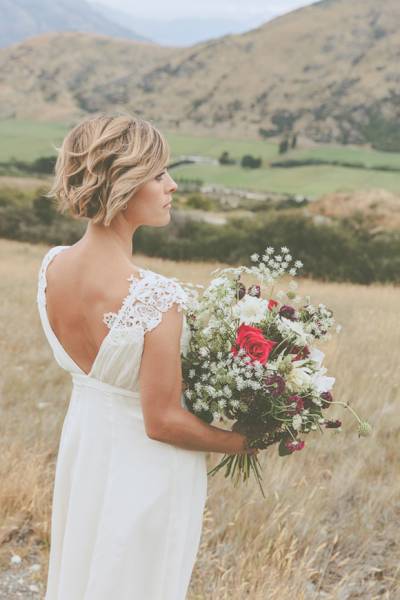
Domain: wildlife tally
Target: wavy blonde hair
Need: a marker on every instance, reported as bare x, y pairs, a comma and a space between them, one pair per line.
103, 161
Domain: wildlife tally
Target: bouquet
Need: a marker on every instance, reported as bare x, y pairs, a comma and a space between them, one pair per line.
250, 361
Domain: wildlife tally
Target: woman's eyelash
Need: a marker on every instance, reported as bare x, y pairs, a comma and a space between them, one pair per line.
160, 175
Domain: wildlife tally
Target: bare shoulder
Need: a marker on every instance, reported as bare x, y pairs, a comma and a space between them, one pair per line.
103, 281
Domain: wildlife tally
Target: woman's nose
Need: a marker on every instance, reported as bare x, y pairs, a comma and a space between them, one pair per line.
173, 186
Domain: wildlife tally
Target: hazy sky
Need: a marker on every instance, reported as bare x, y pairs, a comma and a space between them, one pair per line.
231, 9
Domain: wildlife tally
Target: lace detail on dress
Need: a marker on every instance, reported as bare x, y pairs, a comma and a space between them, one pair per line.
147, 299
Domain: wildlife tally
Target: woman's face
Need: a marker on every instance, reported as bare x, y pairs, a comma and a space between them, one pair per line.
151, 204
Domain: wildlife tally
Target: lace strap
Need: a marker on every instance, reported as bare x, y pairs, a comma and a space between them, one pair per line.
147, 299
42, 281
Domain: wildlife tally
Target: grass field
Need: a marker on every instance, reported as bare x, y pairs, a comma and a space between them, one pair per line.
312, 181
27, 140
329, 527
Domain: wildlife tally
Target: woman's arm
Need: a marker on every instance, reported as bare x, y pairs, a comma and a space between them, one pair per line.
160, 379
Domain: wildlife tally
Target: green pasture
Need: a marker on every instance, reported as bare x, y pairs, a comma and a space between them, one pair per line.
311, 181
27, 140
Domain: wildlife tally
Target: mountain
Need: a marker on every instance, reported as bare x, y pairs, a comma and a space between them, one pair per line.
22, 19
175, 32
328, 71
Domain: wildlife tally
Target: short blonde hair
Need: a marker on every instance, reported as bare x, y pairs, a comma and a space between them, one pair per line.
103, 161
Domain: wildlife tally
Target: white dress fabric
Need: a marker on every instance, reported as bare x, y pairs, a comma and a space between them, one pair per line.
127, 510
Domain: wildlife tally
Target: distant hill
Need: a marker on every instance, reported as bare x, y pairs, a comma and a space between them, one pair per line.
177, 31
22, 19
328, 71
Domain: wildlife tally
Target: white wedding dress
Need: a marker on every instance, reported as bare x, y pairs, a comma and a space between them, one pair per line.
127, 510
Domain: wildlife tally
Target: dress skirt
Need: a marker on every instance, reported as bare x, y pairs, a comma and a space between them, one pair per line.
127, 510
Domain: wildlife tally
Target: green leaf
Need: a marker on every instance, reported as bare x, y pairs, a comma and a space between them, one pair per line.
283, 451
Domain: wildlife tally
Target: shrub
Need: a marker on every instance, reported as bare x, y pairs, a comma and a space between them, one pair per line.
248, 161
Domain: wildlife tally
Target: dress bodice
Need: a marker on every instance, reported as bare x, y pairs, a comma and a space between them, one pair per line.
118, 359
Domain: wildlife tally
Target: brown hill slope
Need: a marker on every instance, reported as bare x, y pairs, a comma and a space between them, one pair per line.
329, 70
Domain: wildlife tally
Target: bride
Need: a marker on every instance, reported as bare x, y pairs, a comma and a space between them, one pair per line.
131, 475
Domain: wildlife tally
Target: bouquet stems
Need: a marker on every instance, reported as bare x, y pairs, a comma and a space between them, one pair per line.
238, 466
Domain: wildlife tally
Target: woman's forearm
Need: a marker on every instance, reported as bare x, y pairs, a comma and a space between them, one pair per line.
184, 429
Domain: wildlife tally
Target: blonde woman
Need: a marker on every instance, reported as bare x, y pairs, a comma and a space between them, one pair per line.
131, 475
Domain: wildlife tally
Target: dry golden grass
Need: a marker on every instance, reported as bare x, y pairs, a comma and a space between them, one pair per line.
329, 527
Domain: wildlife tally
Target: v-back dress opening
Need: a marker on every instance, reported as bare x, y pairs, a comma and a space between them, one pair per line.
127, 510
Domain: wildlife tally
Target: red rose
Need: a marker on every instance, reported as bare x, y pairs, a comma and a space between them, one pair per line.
272, 304
252, 340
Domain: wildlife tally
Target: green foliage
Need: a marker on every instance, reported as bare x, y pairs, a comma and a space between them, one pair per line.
283, 146
44, 209
29, 216
249, 161
44, 165
343, 251
382, 133
267, 133
283, 120
200, 202
225, 159
293, 163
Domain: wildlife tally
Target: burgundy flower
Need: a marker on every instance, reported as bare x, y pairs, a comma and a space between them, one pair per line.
327, 398
299, 404
288, 312
275, 384
254, 290
240, 290
333, 424
301, 352
293, 445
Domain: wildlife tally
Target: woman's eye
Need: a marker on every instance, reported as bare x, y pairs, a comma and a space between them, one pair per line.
160, 175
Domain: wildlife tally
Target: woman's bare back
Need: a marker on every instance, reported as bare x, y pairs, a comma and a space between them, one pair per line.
82, 285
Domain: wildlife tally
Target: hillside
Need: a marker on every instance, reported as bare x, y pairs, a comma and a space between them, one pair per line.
328, 71
23, 19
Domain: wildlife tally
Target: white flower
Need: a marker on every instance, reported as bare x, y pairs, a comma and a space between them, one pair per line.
254, 257
296, 422
250, 309
218, 281
15, 559
316, 356
293, 285
284, 250
298, 264
298, 377
292, 272
192, 373
322, 383
295, 327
